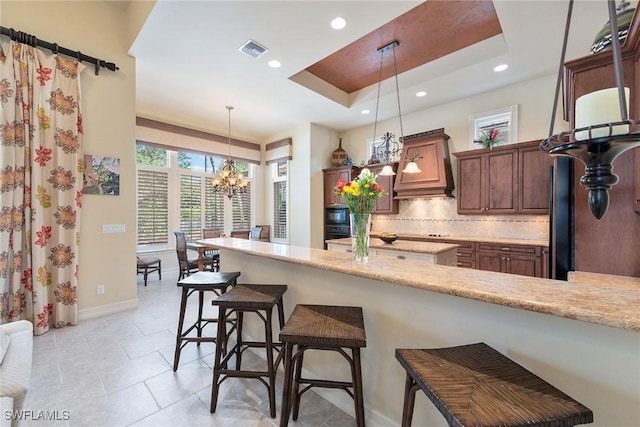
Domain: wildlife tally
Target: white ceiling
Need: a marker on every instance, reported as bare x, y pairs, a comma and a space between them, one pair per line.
189, 68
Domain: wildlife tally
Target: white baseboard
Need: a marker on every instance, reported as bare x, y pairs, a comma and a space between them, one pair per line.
90, 313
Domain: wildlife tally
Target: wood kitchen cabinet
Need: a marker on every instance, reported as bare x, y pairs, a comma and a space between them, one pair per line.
504, 180
386, 204
331, 176
487, 181
513, 259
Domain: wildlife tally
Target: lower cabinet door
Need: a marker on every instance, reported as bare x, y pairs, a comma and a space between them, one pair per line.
524, 265
490, 261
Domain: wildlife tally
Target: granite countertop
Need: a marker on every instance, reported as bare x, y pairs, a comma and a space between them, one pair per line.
594, 302
400, 245
498, 240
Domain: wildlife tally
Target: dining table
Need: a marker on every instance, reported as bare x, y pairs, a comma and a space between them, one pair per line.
201, 248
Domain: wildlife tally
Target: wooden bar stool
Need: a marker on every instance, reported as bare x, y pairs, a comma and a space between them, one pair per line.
201, 282
475, 385
321, 327
261, 300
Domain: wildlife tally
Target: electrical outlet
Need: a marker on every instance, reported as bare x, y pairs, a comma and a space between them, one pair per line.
100, 289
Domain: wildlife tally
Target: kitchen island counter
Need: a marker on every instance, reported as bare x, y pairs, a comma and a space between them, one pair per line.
400, 245
582, 338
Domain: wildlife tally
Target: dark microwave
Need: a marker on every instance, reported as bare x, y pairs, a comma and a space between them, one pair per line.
336, 216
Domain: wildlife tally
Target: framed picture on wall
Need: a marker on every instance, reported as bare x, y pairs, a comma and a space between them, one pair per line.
492, 128
101, 175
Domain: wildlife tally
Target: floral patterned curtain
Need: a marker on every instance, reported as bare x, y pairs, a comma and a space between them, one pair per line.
40, 187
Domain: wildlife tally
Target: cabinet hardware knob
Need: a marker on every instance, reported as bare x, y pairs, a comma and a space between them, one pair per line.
505, 249
401, 257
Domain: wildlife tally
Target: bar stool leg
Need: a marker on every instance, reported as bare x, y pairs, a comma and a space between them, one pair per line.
298, 358
222, 330
286, 387
357, 386
183, 308
410, 389
270, 367
239, 322
200, 304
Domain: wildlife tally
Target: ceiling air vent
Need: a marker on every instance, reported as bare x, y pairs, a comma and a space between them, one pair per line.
253, 49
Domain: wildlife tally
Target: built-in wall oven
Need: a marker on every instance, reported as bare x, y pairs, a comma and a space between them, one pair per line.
336, 223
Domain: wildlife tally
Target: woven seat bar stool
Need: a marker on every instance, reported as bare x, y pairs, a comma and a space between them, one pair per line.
200, 282
145, 266
248, 298
321, 327
475, 385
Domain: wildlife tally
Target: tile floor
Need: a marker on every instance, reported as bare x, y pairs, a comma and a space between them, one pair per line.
116, 370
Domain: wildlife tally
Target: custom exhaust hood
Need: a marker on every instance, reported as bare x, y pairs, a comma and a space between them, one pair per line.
430, 150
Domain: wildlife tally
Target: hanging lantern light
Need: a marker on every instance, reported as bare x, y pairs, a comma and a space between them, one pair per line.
596, 145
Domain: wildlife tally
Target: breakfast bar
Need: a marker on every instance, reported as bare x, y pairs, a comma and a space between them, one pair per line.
583, 338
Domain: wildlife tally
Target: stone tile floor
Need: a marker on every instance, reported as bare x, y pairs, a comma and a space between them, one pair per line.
116, 370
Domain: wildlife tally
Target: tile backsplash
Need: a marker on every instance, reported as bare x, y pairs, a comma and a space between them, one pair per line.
440, 216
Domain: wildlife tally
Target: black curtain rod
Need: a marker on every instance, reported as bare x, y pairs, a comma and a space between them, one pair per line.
25, 38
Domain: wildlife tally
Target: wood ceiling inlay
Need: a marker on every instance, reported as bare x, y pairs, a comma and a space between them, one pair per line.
427, 32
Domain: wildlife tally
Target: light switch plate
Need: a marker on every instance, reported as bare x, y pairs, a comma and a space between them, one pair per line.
113, 228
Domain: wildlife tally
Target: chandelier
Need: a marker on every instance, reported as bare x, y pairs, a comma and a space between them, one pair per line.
596, 145
229, 181
390, 148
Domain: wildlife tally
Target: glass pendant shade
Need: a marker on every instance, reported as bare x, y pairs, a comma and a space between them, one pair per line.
387, 170
412, 167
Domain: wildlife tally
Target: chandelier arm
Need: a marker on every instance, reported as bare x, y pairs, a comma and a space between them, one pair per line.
617, 59
560, 67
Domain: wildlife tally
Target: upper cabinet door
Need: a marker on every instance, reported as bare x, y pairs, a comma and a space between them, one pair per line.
501, 181
534, 167
470, 193
331, 177
386, 204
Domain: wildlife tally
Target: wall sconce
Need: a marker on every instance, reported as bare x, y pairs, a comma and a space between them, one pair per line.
596, 145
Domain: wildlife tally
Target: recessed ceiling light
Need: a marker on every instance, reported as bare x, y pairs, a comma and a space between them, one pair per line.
274, 64
500, 67
365, 111
421, 94
338, 23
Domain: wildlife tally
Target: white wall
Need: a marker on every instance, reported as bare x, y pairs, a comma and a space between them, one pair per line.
108, 105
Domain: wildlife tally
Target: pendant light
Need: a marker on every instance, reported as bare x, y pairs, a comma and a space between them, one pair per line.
392, 147
596, 145
229, 181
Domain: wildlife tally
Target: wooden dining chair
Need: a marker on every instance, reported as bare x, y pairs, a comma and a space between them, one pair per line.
212, 233
254, 233
188, 264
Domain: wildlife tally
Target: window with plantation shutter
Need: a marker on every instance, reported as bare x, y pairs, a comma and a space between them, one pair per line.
279, 200
175, 194
280, 210
153, 207
214, 207
191, 206
241, 210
